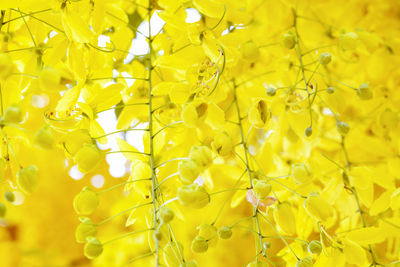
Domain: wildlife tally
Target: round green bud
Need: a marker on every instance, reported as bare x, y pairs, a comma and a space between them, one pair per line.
13, 114
202, 155
330, 90
364, 92
207, 231
301, 173
191, 263
188, 171
325, 58
342, 127
193, 195
166, 214
86, 201
225, 232
305, 262
27, 179
308, 131
93, 248
249, 51
85, 229
288, 40
261, 188
199, 244
314, 247
271, 91
9, 196
3, 210
44, 138
87, 158
157, 235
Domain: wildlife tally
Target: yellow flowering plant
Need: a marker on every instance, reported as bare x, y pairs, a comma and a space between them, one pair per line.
199, 133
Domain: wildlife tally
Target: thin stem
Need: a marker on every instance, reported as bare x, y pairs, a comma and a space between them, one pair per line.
122, 212
167, 126
126, 235
120, 131
121, 184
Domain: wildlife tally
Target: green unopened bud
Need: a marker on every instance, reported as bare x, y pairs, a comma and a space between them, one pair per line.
202, 155
314, 247
157, 235
325, 58
271, 91
85, 229
301, 173
199, 244
342, 127
305, 262
261, 188
225, 232
288, 40
86, 201
330, 90
364, 92
193, 196
348, 41
188, 171
9, 196
44, 138
3, 210
249, 51
87, 158
93, 248
308, 131
13, 114
27, 179
166, 214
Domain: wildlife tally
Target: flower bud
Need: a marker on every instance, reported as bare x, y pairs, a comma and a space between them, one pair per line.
317, 207
44, 138
86, 201
288, 40
93, 248
222, 144
271, 91
314, 247
27, 179
261, 188
249, 51
188, 171
74, 141
202, 155
325, 58
13, 114
259, 113
342, 127
191, 263
199, 244
85, 229
348, 41
364, 92
305, 262
166, 214
157, 235
301, 173
308, 131
87, 158
225, 232
3, 210
9, 196
193, 196
284, 218
6, 65
330, 90
49, 80
207, 231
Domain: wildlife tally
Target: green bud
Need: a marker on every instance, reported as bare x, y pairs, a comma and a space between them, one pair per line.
288, 40
157, 235
166, 214
225, 232
314, 247
86, 201
13, 114
330, 90
199, 244
261, 188
27, 179
271, 91
85, 229
364, 92
93, 248
193, 195
342, 127
3, 210
305, 262
207, 231
44, 138
188, 171
308, 131
9, 196
325, 58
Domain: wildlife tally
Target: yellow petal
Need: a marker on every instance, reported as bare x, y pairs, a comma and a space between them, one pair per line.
367, 235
